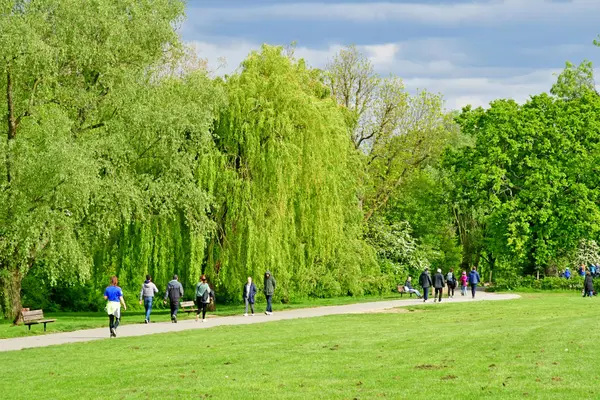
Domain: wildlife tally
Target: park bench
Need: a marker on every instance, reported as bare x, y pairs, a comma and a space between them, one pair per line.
401, 290
187, 306
35, 317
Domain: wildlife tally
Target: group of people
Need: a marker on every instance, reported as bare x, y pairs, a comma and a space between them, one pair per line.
438, 282
588, 274
204, 295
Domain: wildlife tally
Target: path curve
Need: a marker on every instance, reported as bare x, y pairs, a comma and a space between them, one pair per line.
163, 327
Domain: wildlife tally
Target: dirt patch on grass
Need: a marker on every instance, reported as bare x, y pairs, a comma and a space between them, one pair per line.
430, 367
398, 310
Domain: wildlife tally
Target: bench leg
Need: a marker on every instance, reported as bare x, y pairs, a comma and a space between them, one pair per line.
44, 327
29, 326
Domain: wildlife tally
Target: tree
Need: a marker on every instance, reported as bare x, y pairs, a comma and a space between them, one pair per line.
532, 175
397, 133
73, 73
575, 81
286, 201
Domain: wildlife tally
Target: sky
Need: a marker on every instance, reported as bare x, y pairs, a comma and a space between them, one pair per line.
471, 52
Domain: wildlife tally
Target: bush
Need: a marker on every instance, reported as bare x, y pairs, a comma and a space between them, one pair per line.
529, 282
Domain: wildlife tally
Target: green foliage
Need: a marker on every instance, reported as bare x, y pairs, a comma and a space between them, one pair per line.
284, 202
532, 175
575, 283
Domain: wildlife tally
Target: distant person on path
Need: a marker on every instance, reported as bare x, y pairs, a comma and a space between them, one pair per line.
249, 294
588, 285
567, 273
592, 270
451, 281
425, 282
464, 283
439, 284
114, 296
474, 279
582, 270
409, 288
174, 292
203, 297
269, 290
147, 296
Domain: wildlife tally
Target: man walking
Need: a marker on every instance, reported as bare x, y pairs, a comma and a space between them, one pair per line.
425, 282
439, 284
269, 289
474, 279
174, 293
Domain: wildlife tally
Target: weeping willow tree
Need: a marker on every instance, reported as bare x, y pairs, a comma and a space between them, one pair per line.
285, 187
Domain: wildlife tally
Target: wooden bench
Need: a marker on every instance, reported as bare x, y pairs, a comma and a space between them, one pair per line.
401, 290
35, 317
187, 306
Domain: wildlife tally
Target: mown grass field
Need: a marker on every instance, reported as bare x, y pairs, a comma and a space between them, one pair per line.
67, 322
543, 346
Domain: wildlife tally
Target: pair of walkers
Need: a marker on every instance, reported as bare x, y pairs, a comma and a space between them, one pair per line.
437, 282
249, 294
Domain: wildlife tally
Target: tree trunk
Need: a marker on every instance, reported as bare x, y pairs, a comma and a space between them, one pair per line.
11, 294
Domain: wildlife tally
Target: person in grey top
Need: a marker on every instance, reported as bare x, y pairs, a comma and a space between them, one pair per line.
147, 295
174, 293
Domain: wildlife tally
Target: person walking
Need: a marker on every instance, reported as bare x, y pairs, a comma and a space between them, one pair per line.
203, 297
114, 296
147, 296
588, 285
425, 282
409, 288
269, 290
249, 294
464, 283
567, 273
451, 281
439, 284
474, 280
174, 292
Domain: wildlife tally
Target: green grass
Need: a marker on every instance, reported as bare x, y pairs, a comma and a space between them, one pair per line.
543, 346
67, 322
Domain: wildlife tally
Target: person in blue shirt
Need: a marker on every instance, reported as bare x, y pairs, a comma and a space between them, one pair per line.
474, 279
114, 296
567, 273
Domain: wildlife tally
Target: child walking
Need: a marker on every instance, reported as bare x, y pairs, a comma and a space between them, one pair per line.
464, 282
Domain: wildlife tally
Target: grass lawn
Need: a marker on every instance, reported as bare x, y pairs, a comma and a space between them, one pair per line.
543, 346
66, 322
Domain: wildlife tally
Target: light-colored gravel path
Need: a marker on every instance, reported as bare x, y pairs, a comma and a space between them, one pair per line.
163, 327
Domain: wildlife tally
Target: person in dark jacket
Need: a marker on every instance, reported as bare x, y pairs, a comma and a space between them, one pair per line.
439, 283
451, 281
174, 292
474, 280
588, 285
425, 282
204, 296
409, 288
269, 290
249, 293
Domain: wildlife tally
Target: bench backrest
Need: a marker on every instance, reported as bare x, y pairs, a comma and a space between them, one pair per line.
187, 304
34, 315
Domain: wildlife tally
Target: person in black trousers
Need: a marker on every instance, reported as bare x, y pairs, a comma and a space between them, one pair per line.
438, 283
451, 281
425, 282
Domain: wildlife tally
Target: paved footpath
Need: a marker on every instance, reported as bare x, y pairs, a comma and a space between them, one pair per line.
163, 327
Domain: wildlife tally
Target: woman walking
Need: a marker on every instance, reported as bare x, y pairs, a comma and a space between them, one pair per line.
451, 281
114, 296
147, 296
203, 297
249, 295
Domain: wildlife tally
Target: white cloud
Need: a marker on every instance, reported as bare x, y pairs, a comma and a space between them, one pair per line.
478, 12
460, 85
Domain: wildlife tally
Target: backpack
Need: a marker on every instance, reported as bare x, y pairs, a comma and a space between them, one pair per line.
206, 295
